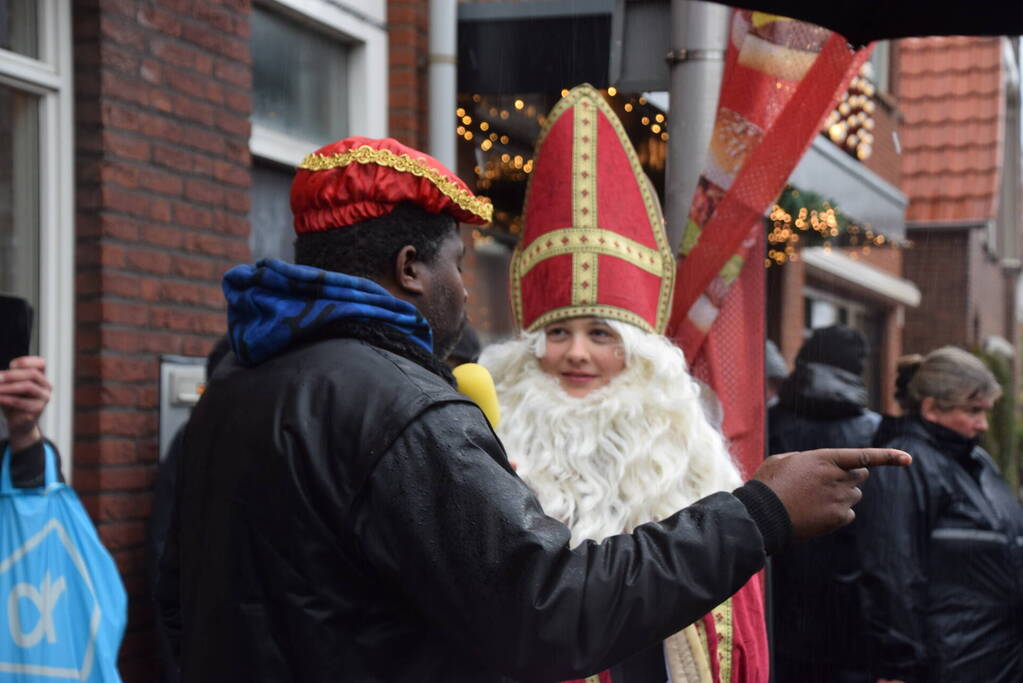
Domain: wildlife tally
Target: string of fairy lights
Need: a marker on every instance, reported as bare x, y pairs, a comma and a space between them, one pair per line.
483, 128
851, 124
787, 232
490, 124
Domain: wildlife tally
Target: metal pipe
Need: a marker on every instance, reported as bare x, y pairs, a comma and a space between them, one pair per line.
699, 37
443, 77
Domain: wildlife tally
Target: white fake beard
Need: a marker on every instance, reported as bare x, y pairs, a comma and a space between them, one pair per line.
634, 451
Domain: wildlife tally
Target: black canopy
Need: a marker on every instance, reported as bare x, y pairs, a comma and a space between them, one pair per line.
867, 20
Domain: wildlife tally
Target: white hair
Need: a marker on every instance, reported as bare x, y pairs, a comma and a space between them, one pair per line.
634, 451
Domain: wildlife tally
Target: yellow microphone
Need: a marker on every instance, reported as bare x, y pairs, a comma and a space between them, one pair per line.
475, 382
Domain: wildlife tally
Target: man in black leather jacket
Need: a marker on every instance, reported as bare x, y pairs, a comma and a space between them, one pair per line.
818, 628
345, 515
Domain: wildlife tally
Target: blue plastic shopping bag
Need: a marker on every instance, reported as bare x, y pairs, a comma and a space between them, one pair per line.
62, 604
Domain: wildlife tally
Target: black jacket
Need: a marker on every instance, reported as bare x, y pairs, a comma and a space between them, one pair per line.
942, 553
818, 631
345, 515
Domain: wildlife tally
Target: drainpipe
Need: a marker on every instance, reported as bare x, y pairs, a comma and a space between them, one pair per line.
699, 37
443, 80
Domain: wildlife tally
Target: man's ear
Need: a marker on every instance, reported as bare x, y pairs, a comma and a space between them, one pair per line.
928, 409
408, 271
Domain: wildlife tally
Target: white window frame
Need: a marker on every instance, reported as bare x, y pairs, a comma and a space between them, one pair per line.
361, 24
50, 78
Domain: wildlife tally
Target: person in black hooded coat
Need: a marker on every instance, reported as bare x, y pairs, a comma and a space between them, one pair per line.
942, 547
817, 628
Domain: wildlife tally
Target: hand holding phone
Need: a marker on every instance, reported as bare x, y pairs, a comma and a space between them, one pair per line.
24, 393
24, 389
15, 329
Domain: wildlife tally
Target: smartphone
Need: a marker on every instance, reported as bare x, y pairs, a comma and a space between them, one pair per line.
15, 329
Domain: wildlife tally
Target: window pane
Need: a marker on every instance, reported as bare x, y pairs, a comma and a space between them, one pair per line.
300, 79
272, 234
19, 196
19, 26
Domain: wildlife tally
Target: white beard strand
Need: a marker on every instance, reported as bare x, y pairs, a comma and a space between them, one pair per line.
634, 451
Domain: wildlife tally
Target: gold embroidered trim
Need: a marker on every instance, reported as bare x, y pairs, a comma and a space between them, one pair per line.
593, 241
584, 278
588, 93
584, 165
404, 163
598, 311
592, 679
723, 625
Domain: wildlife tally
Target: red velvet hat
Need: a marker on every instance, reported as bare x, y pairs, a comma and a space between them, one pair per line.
356, 179
593, 241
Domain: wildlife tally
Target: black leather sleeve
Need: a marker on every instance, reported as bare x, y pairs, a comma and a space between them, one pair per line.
891, 537
445, 519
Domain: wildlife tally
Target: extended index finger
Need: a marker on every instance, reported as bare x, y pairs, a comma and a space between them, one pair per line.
852, 458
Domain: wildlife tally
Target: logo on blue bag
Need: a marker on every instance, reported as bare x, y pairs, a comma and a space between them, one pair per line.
52, 613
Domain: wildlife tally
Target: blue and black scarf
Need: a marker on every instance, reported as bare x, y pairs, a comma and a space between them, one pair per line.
274, 305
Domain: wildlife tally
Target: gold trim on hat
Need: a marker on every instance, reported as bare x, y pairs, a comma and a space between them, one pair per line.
592, 241
597, 311
478, 206
659, 261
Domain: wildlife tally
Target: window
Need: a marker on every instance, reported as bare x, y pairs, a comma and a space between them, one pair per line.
300, 79
319, 74
36, 191
19, 27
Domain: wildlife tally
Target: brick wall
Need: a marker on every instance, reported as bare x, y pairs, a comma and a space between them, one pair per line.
937, 263
408, 52
162, 125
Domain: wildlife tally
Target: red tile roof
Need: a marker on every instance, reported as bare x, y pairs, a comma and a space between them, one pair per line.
951, 95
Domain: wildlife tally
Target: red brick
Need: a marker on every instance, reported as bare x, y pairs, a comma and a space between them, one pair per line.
232, 174
126, 146
217, 17
172, 157
231, 123
122, 534
160, 182
148, 260
164, 22
160, 100
237, 200
119, 312
195, 294
234, 73
108, 451
195, 110
213, 245
118, 506
162, 235
114, 56
204, 192
192, 216
194, 267
151, 71
122, 32
113, 84
238, 101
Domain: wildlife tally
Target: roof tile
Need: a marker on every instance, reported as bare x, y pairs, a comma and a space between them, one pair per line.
951, 95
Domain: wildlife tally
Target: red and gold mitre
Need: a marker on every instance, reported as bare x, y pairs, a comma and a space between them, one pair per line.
355, 179
593, 241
